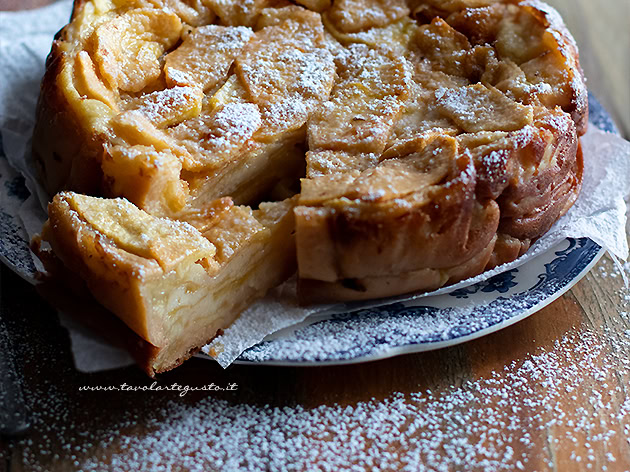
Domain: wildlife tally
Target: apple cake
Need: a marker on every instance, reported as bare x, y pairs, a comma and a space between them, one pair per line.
399, 146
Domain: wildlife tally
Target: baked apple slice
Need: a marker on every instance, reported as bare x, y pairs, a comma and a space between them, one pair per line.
173, 284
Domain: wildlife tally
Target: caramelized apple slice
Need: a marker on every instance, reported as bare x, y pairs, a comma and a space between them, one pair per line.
332, 162
351, 16
276, 64
134, 127
237, 12
192, 12
418, 119
205, 56
90, 85
363, 105
444, 47
170, 106
214, 139
167, 242
147, 177
395, 36
286, 72
127, 47
479, 108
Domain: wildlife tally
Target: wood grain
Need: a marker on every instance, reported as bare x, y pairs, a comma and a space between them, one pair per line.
602, 32
590, 310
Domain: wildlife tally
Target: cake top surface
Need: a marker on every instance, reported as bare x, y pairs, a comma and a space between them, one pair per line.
200, 84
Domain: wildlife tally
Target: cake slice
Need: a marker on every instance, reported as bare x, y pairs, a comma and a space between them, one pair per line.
173, 284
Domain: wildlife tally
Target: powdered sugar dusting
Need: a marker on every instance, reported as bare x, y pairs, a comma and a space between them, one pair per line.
160, 105
369, 332
289, 113
234, 123
570, 396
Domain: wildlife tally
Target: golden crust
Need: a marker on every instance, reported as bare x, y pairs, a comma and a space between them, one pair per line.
67, 154
378, 234
371, 287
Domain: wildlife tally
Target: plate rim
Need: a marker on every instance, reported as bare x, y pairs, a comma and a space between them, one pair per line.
395, 351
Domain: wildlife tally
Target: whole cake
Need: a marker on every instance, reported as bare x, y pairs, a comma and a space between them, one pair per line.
205, 148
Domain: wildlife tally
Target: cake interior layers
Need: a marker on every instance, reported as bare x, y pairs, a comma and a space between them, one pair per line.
174, 284
428, 142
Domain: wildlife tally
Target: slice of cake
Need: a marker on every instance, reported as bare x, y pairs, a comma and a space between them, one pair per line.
175, 285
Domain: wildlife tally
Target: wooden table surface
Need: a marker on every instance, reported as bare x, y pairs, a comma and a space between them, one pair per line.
549, 393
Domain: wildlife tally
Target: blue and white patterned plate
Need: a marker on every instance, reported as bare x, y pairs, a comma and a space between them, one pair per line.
432, 322
375, 333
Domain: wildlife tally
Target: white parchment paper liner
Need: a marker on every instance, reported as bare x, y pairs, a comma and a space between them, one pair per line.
25, 39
